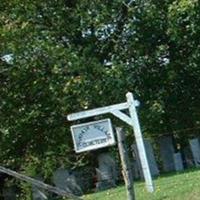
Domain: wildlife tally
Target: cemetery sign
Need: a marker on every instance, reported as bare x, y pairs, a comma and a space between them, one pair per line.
131, 118
92, 135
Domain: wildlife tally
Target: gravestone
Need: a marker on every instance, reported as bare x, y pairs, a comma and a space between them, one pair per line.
85, 178
137, 171
9, 193
167, 153
178, 162
188, 158
150, 157
65, 179
106, 172
195, 148
38, 194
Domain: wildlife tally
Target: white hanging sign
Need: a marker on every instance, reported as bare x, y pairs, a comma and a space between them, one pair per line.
92, 135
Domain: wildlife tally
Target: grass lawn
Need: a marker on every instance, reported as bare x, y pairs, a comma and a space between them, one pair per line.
183, 186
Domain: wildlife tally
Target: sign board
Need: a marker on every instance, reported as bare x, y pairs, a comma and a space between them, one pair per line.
92, 135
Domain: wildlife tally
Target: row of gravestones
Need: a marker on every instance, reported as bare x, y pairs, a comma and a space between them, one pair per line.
171, 160
107, 173
77, 182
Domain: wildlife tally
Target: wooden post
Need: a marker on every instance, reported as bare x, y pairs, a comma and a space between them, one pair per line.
125, 164
39, 184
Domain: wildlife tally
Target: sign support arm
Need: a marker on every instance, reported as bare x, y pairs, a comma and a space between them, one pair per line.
123, 117
97, 111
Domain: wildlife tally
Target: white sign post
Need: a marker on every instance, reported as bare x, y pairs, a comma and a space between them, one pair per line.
132, 120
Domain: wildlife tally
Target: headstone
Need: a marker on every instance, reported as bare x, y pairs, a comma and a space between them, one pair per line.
38, 194
188, 158
85, 178
137, 171
195, 148
9, 193
64, 179
150, 157
106, 172
178, 162
167, 153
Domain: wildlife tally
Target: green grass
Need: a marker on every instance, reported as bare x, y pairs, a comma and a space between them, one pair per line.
183, 186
